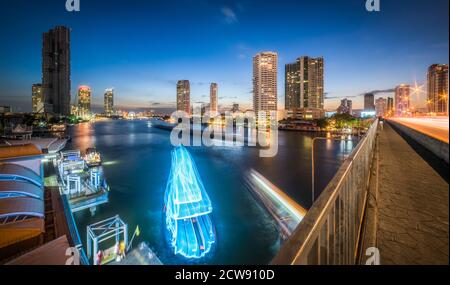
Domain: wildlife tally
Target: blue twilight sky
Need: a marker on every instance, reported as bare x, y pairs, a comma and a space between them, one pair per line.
142, 47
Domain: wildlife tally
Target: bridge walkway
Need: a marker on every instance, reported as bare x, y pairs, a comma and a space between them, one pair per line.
411, 224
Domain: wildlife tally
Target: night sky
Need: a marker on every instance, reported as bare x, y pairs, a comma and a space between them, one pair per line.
141, 48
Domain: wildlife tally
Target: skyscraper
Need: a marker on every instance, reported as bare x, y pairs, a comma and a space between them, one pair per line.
37, 98
292, 86
56, 70
346, 107
109, 102
214, 99
390, 106
265, 72
184, 96
84, 100
315, 85
304, 84
381, 107
438, 88
402, 99
369, 102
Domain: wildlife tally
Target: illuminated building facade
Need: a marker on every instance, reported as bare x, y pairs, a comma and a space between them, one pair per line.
265, 72
346, 107
369, 102
402, 100
304, 84
312, 83
381, 107
438, 88
214, 107
84, 100
390, 106
292, 86
184, 96
5, 109
307, 114
56, 70
188, 208
109, 102
37, 98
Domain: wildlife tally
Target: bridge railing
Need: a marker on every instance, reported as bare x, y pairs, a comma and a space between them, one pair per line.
329, 233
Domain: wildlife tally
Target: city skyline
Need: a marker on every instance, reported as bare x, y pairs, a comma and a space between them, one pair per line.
145, 75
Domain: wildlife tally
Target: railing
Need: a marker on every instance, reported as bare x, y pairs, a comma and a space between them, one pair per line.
73, 230
329, 233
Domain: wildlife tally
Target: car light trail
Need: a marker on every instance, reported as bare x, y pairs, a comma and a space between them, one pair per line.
436, 127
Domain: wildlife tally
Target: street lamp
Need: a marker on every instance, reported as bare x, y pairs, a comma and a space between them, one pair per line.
312, 160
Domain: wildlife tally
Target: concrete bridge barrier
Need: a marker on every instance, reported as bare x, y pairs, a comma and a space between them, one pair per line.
437, 147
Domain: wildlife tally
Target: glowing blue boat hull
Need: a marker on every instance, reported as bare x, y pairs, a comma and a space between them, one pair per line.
188, 208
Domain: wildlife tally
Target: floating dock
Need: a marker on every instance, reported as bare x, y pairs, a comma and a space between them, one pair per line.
84, 187
142, 255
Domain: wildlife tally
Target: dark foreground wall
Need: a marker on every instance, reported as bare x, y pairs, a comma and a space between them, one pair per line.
437, 147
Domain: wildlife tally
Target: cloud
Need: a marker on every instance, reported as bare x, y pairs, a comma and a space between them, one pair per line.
230, 15
329, 96
382, 91
243, 51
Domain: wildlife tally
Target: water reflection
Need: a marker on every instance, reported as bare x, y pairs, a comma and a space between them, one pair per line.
137, 164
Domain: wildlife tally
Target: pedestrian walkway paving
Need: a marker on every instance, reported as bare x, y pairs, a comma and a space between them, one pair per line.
412, 205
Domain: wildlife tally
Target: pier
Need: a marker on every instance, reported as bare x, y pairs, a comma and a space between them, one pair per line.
85, 187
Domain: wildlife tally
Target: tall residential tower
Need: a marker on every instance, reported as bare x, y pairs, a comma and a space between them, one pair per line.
184, 96
109, 102
84, 100
265, 71
304, 84
56, 70
214, 108
438, 88
381, 107
37, 98
369, 102
402, 100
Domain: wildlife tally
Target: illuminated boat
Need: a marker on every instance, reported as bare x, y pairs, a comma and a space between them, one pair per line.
92, 157
163, 125
188, 208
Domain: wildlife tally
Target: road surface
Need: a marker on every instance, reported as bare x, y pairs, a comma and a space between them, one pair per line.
436, 127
